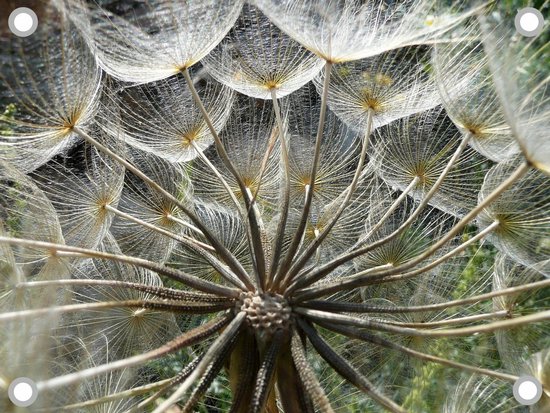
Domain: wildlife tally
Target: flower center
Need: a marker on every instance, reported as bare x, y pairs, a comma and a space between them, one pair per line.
266, 312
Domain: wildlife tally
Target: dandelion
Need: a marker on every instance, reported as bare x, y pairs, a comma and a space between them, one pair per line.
53, 80
272, 207
521, 87
342, 31
162, 119
466, 85
256, 57
159, 38
389, 86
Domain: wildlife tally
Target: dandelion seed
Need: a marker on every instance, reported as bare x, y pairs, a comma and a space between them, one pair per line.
345, 31
391, 86
522, 90
158, 39
256, 57
53, 81
469, 96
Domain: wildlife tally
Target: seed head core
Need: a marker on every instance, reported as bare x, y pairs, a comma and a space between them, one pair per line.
265, 312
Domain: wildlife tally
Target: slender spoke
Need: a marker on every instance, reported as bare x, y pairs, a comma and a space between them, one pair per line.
161, 292
189, 280
453, 321
175, 306
224, 253
286, 190
388, 213
367, 277
219, 145
349, 192
184, 223
241, 282
264, 240
209, 375
314, 292
228, 334
259, 259
183, 239
298, 236
480, 235
180, 377
235, 202
304, 279
219, 176
238, 206
266, 374
243, 367
372, 338
327, 268
322, 316
126, 394
188, 338
347, 371
269, 150
341, 306
308, 377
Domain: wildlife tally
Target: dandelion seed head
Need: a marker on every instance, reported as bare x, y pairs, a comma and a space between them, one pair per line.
283, 206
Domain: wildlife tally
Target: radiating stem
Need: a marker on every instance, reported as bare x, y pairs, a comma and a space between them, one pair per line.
385, 278
365, 277
209, 375
243, 367
219, 145
389, 211
181, 376
270, 145
228, 334
304, 278
308, 377
266, 374
243, 283
152, 227
296, 240
174, 306
452, 321
342, 319
218, 175
346, 370
161, 292
349, 192
317, 291
503, 186
126, 394
188, 338
341, 306
366, 336
327, 268
258, 259
224, 253
189, 280
281, 225
183, 223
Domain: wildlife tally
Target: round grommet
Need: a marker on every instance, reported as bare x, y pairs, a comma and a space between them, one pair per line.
529, 22
527, 390
23, 22
22, 392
